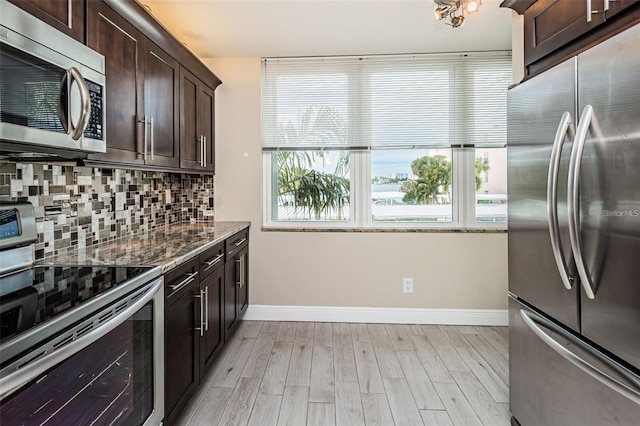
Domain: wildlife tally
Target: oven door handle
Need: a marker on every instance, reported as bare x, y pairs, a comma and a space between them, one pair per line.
30, 371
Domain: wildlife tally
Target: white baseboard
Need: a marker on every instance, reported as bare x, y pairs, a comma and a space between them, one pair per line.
493, 317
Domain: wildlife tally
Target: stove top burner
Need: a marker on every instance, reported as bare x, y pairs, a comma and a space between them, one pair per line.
32, 296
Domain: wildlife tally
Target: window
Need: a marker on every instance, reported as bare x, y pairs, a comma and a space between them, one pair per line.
385, 141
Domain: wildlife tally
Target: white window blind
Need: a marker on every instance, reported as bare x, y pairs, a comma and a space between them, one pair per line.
421, 101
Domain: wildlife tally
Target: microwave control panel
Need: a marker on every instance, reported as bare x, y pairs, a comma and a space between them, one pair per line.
95, 126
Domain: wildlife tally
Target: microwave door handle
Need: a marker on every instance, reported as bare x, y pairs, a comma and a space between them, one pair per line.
24, 375
85, 103
552, 200
63, 102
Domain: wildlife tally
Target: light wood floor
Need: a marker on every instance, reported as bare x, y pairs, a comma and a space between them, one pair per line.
305, 373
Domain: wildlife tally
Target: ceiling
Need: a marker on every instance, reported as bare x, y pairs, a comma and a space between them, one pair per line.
268, 28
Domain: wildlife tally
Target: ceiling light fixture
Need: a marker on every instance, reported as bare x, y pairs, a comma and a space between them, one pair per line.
452, 11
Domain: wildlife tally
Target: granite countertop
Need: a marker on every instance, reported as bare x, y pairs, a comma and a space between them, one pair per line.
167, 247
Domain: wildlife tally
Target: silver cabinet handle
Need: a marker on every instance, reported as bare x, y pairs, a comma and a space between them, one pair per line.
188, 280
239, 272
202, 302
206, 308
595, 12
573, 200
76, 131
630, 391
24, 375
201, 297
239, 243
204, 157
201, 139
152, 141
149, 143
215, 260
242, 270
552, 200
144, 136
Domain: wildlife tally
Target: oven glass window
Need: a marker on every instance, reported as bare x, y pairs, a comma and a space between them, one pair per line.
109, 382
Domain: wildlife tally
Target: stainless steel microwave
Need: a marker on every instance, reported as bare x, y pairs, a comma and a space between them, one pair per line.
52, 88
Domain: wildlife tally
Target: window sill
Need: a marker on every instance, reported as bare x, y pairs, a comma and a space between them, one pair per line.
388, 230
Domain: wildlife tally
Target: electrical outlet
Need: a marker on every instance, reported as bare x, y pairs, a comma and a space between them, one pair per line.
407, 285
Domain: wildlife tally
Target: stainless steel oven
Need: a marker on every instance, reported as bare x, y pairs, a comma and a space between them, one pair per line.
79, 344
52, 88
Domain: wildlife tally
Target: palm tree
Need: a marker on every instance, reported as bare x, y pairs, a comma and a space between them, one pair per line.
315, 192
433, 178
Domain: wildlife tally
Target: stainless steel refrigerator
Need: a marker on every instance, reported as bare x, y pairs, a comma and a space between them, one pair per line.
574, 239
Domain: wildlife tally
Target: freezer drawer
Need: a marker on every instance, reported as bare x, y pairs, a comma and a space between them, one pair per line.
547, 389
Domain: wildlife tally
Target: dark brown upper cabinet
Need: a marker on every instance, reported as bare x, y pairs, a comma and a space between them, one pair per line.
555, 30
159, 96
619, 6
122, 46
64, 15
161, 107
197, 147
142, 92
550, 24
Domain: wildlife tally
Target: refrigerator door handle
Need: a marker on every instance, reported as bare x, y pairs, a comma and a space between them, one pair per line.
629, 389
552, 200
573, 200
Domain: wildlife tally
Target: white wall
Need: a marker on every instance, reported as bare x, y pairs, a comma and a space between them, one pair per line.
517, 43
339, 269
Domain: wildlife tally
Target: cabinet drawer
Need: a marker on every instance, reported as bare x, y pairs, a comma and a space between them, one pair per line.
181, 280
211, 259
237, 242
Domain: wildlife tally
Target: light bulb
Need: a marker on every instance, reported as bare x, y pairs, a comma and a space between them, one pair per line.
472, 6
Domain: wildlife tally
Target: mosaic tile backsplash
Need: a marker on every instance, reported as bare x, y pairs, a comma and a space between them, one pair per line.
80, 206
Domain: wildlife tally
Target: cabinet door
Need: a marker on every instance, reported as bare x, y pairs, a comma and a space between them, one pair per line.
551, 24
617, 6
64, 15
243, 288
206, 125
236, 290
212, 341
121, 44
161, 107
196, 123
191, 147
181, 352
231, 314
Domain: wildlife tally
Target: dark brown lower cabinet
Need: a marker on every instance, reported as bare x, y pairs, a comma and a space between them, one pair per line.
236, 290
181, 318
205, 299
212, 337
